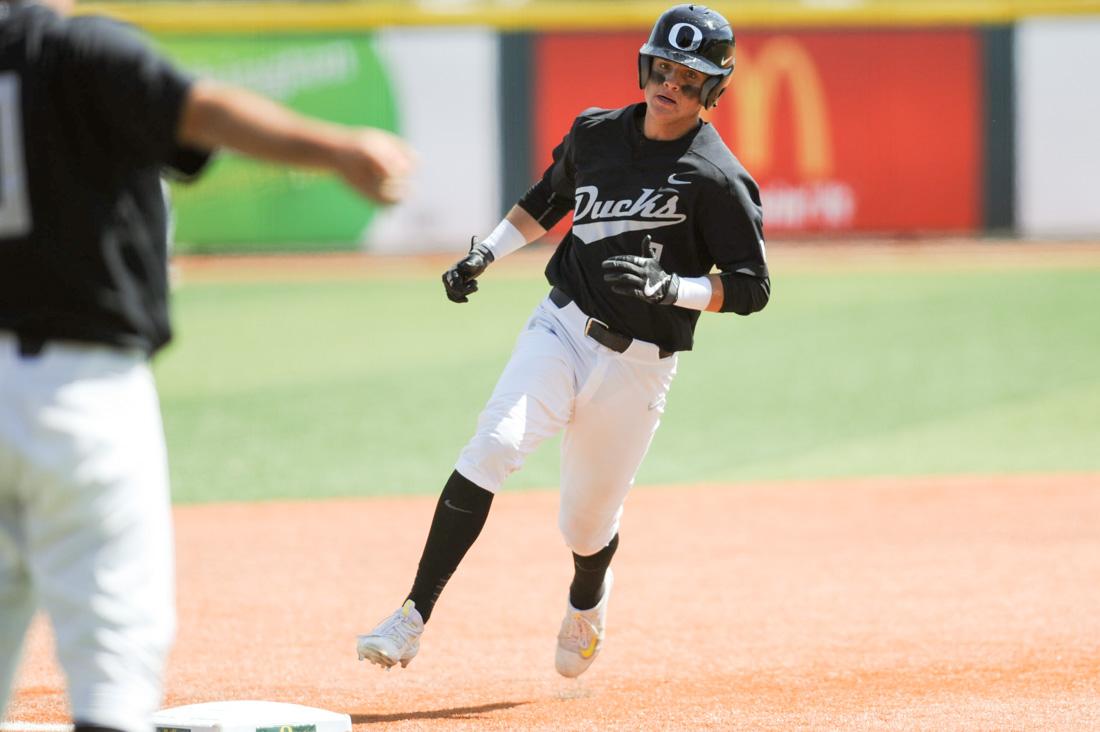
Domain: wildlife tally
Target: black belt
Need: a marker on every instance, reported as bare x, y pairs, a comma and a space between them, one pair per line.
598, 330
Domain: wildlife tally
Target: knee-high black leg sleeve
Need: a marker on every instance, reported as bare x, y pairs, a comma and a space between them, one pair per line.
588, 575
459, 517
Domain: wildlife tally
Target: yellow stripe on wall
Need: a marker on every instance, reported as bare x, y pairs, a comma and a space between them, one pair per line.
238, 17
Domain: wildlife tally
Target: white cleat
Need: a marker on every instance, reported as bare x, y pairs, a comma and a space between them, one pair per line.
395, 640
581, 635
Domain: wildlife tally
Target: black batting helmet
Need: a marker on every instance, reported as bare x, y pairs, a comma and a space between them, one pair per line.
697, 37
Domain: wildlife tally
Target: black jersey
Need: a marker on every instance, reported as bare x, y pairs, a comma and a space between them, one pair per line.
88, 120
691, 195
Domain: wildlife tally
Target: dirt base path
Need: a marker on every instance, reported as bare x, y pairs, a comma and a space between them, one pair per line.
928, 604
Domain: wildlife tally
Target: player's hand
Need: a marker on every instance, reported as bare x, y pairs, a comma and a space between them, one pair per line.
377, 164
460, 281
641, 277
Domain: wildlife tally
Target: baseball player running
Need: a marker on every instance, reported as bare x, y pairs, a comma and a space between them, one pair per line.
89, 117
658, 200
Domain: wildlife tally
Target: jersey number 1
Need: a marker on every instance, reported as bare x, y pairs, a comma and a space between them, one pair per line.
15, 212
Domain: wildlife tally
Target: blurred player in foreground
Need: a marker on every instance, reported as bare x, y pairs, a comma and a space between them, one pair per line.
658, 201
90, 117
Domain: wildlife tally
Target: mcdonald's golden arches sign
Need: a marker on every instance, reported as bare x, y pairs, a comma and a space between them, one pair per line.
844, 130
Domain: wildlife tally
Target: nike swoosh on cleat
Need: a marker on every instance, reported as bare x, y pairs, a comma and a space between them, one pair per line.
448, 504
590, 650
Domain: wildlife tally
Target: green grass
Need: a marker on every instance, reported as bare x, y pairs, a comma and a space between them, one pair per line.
276, 390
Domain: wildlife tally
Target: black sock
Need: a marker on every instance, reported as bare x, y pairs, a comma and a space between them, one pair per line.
459, 516
588, 574
82, 727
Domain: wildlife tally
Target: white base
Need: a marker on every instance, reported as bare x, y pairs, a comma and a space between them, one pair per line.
249, 716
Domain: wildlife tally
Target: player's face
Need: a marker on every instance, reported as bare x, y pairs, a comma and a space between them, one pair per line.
674, 91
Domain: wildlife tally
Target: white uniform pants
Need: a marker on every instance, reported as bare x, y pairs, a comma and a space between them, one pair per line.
85, 525
609, 405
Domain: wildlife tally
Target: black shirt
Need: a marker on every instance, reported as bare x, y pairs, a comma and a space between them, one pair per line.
88, 120
691, 195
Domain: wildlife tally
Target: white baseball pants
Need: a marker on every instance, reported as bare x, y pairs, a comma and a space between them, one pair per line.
609, 405
85, 525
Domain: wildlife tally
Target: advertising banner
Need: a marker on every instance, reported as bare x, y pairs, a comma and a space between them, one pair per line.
392, 79
448, 103
845, 131
247, 204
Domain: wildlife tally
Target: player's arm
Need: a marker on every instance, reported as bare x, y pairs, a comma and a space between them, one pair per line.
744, 291
110, 67
542, 206
707, 291
517, 229
742, 287
734, 234
645, 278
372, 161
735, 239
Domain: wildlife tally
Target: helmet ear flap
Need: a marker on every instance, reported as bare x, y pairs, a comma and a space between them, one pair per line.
645, 63
713, 87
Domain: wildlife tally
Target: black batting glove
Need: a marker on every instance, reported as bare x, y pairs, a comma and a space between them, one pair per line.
641, 277
460, 281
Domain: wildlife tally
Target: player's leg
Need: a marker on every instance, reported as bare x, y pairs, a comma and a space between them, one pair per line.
589, 572
602, 449
460, 515
531, 401
100, 534
603, 446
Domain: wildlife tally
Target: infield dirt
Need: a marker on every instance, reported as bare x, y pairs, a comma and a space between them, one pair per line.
917, 604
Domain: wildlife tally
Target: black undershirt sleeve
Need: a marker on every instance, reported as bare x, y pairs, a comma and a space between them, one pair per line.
545, 206
744, 294
734, 234
553, 196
